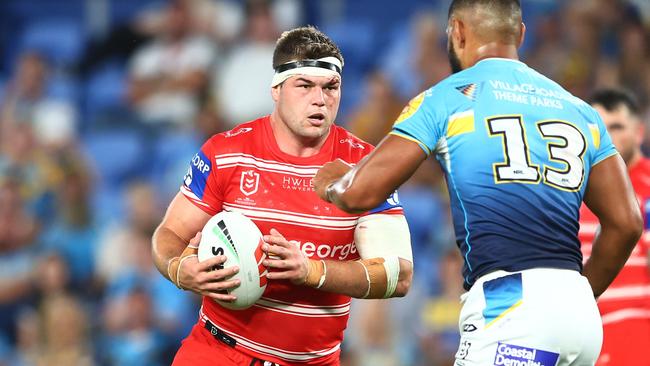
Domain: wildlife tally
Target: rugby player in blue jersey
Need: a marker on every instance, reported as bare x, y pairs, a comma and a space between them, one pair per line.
520, 154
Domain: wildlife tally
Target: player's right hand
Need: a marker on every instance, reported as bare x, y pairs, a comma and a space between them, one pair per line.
207, 278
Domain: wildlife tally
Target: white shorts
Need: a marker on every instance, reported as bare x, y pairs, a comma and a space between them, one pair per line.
535, 317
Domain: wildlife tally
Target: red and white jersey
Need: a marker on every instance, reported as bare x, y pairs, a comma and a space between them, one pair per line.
244, 170
629, 295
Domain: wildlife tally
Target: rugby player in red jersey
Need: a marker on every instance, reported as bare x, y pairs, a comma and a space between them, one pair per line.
264, 169
625, 305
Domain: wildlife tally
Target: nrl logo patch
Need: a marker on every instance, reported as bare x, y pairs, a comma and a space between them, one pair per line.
249, 182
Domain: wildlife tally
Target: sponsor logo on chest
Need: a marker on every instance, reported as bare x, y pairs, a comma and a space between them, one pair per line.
297, 183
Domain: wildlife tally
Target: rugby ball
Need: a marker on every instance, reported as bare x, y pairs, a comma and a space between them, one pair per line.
238, 238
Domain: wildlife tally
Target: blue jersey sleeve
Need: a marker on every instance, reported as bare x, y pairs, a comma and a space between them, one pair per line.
392, 202
604, 147
422, 120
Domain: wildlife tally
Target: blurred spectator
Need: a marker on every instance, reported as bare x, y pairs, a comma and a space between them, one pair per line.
26, 102
65, 333
440, 335
114, 254
218, 20
18, 232
131, 336
243, 82
73, 233
416, 58
373, 119
169, 75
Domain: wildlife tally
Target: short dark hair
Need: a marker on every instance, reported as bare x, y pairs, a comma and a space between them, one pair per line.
613, 98
304, 43
492, 19
512, 5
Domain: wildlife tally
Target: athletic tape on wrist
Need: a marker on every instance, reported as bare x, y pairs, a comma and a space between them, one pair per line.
174, 265
322, 278
315, 273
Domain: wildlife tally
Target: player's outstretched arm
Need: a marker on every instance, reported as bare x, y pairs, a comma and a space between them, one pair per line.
385, 269
174, 248
373, 179
611, 197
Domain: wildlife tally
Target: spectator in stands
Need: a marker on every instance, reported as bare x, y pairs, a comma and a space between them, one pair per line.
242, 81
425, 54
65, 333
26, 102
168, 76
73, 233
374, 117
130, 335
439, 326
18, 233
114, 254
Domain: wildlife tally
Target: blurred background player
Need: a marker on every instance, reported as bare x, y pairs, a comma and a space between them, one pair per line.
519, 153
625, 306
263, 169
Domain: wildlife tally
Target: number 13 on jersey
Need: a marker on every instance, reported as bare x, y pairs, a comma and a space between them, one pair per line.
565, 145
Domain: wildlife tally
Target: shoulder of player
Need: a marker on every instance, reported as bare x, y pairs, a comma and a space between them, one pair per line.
235, 139
350, 146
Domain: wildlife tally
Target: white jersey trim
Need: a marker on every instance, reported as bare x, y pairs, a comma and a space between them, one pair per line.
625, 292
260, 348
290, 218
312, 311
264, 165
266, 209
189, 194
625, 314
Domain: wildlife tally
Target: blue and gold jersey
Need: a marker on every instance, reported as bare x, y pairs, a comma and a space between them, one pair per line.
517, 150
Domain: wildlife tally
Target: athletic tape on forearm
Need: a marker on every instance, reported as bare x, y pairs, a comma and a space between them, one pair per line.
382, 275
391, 265
377, 278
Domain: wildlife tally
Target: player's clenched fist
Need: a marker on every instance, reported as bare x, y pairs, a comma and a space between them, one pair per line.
207, 278
328, 174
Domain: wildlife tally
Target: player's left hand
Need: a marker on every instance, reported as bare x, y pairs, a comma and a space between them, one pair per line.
287, 258
329, 173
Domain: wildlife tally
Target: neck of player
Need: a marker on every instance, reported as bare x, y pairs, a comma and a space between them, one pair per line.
293, 144
495, 49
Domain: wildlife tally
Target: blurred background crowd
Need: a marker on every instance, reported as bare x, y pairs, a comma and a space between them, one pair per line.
104, 102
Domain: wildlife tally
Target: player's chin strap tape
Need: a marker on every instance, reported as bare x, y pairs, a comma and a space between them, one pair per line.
382, 275
174, 265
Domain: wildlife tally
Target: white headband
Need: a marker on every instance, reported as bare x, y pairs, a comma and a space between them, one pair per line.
326, 66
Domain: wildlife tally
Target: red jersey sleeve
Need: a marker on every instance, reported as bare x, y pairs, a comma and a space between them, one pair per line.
200, 184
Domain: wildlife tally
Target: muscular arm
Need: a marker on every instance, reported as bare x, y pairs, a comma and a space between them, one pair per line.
611, 197
181, 222
371, 181
349, 278
368, 278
